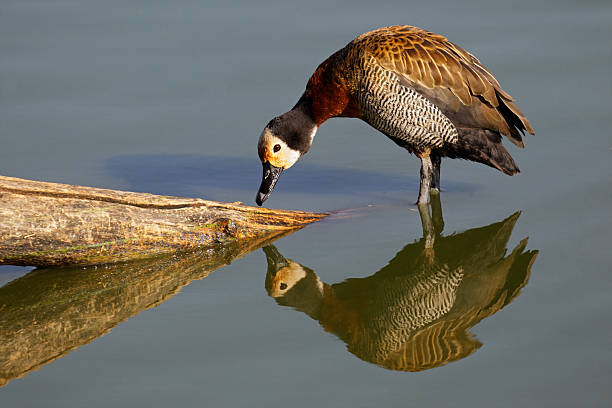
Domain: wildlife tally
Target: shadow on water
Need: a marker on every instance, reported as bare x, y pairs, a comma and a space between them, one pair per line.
415, 312
160, 173
49, 312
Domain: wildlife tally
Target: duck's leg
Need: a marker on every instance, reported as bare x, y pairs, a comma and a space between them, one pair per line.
428, 226
432, 224
436, 213
426, 177
436, 160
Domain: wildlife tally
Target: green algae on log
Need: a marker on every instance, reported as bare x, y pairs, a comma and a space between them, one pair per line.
48, 313
45, 224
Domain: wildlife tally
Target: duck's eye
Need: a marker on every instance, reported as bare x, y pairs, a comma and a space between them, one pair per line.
277, 147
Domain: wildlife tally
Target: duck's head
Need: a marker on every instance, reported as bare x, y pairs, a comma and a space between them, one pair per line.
292, 284
283, 274
283, 141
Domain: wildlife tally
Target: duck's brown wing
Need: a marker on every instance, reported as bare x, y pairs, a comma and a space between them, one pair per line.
450, 77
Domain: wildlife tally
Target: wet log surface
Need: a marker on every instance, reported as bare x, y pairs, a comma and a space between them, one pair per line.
45, 224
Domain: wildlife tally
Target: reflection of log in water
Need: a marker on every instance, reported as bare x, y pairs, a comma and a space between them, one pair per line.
414, 313
49, 312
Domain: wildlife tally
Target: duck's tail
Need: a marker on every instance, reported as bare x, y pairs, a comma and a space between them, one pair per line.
482, 146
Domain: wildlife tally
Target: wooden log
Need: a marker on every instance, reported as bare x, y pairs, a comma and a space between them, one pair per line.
48, 313
43, 224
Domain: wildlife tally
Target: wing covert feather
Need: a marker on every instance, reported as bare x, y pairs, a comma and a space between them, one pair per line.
431, 62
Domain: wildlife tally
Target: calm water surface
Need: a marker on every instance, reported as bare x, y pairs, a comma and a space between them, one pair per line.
510, 305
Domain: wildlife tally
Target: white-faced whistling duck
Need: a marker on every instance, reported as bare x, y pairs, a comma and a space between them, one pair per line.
425, 93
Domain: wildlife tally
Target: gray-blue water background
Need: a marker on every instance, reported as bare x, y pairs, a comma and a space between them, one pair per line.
170, 97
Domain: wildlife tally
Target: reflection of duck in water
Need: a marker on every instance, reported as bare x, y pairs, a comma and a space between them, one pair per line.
414, 313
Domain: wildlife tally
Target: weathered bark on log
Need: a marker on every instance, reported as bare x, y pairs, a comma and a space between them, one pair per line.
45, 224
49, 312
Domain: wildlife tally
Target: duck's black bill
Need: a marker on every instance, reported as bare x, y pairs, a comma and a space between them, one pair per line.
268, 181
275, 260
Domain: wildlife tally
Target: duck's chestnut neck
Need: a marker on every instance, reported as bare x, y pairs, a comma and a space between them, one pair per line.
327, 94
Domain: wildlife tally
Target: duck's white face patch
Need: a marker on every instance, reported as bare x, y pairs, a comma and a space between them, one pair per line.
273, 150
286, 278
